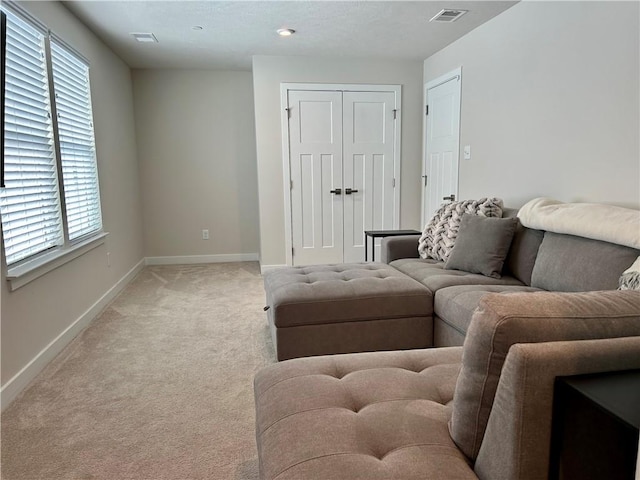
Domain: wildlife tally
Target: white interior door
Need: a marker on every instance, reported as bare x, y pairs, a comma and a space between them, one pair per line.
442, 143
368, 168
315, 150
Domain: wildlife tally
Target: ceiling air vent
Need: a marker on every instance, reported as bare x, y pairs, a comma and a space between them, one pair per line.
448, 15
145, 37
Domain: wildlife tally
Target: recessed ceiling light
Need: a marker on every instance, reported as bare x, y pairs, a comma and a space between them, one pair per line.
145, 37
286, 32
196, 27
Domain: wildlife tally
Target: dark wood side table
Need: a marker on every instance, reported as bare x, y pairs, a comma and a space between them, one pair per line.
379, 234
595, 426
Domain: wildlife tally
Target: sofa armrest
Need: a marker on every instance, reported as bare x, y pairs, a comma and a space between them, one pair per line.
403, 246
516, 445
503, 320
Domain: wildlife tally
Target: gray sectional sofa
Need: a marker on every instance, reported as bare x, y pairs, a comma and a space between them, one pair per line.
478, 411
416, 303
537, 261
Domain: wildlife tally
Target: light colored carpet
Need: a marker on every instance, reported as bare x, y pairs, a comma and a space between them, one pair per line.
160, 386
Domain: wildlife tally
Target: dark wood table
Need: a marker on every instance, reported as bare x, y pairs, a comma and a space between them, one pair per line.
596, 419
379, 234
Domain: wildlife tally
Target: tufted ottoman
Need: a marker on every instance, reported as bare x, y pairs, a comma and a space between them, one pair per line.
345, 308
369, 416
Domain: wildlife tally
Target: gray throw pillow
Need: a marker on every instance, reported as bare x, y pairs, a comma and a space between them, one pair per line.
482, 245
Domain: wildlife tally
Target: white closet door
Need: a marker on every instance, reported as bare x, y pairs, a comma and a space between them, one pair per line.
315, 142
369, 130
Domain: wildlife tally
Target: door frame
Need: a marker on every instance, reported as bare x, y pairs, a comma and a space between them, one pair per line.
284, 121
425, 170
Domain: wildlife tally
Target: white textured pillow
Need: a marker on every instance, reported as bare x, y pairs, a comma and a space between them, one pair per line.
630, 279
439, 235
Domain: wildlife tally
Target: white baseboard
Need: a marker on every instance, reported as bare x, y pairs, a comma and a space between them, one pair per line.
193, 259
20, 380
266, 268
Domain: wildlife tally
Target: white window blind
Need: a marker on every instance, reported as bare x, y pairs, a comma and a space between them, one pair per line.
76, 137
46, 157
29, 203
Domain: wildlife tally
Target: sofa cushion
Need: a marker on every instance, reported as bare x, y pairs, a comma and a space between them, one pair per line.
504, 320
433, 275
455, 305
482, 245
323, 294
566, 263
377, 415
523, 252
439, 235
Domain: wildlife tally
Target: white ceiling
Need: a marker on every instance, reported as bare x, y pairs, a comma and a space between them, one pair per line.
233, 31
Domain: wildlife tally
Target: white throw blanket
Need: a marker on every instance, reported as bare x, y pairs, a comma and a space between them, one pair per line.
590, 220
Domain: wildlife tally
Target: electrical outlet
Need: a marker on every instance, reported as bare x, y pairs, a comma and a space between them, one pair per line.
108, 259
205, 234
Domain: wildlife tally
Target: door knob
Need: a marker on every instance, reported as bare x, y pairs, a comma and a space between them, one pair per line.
451, 197
348, 191
337, 191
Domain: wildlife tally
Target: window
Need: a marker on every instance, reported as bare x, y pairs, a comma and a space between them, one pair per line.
51, 200
77, 148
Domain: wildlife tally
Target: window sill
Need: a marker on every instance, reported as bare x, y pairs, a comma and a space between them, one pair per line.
26, 272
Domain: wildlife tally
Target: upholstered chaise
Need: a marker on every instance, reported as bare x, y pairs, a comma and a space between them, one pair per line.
326, 309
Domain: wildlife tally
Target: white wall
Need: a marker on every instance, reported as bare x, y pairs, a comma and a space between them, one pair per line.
268, 73
196, 147
35, 314
550, 103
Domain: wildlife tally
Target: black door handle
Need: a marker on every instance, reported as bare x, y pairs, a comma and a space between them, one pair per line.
348, 191
337, 191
